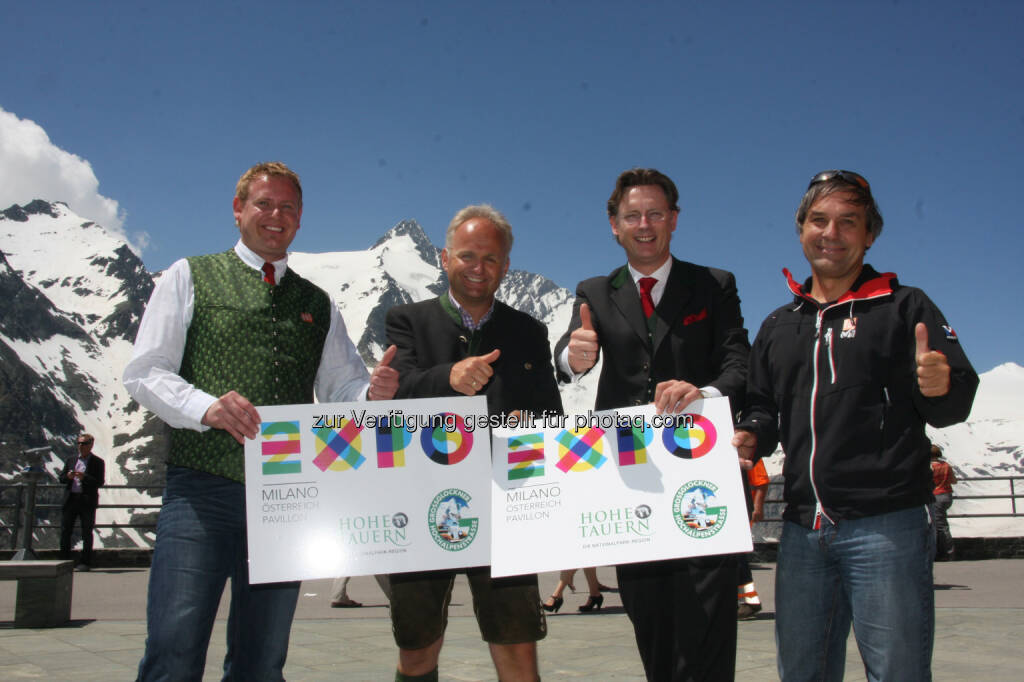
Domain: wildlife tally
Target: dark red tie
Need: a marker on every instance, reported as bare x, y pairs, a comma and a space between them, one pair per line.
268, 273
646, 285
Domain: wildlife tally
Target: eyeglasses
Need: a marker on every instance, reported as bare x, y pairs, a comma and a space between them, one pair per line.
85, 442
634, 218
844, 175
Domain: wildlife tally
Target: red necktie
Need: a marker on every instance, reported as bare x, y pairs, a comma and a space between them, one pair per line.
268, 273
646, 284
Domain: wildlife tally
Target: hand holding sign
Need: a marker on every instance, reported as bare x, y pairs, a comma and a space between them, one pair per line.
932, 366
583, 343
673, 396
235, 414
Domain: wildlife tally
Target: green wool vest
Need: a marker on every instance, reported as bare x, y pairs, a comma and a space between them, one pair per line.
248, 336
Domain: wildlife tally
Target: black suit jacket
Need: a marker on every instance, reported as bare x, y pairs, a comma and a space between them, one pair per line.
95, 474
698, 335
430, 340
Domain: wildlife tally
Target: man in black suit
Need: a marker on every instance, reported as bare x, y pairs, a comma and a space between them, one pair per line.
466, 343
671, 333
82, 477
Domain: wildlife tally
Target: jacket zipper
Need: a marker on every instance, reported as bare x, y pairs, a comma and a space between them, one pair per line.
819, 511
831, 357
885, 408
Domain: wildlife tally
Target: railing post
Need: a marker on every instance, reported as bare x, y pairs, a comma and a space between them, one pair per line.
26, 553
17, 515
1013, 498
31, 475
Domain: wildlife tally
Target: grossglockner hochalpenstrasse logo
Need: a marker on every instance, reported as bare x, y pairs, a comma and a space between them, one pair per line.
697, 510
451, 525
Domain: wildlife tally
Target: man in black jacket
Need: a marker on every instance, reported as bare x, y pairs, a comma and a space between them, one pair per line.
846, 376
464, 342
671, 332
82, 476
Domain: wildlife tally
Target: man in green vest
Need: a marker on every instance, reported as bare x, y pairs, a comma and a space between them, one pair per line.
222, 333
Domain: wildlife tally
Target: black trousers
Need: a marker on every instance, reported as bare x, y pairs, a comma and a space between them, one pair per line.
684, 617
743, 572
77, 506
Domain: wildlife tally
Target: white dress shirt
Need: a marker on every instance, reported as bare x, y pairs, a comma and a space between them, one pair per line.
80, 467
152, 378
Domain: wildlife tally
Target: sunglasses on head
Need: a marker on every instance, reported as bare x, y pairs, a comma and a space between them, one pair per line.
844, 175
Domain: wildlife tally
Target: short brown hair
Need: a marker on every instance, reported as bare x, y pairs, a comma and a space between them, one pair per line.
860, 196
636, 177
270, 169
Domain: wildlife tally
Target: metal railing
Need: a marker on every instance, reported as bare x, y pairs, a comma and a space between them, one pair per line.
49, 496
1012, 491
1016, 483
47, 507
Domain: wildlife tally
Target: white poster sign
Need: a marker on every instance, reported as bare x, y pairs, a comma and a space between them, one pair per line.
617, 487
371, 487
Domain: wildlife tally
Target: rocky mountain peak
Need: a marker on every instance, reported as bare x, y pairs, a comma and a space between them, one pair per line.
37, 207
410, 228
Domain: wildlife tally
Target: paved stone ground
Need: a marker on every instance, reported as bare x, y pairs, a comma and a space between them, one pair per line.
979, 627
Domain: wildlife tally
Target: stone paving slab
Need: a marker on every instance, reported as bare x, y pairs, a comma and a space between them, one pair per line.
971, 644
979, 627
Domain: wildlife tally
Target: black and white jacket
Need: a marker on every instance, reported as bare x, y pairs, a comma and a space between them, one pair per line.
836, 383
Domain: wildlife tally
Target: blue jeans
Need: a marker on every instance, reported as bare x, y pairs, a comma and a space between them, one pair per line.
875, 572
200, 543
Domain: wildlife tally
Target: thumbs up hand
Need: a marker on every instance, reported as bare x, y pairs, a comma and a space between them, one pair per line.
584, 345
384, 380
469, 376
932, 366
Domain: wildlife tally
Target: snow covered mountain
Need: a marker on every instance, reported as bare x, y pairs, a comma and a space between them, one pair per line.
72, 294
989, 443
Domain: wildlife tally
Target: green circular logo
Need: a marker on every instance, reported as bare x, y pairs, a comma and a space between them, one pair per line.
451, 525
697, 511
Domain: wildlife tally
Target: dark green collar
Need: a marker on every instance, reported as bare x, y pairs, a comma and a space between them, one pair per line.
453, 312
620, 277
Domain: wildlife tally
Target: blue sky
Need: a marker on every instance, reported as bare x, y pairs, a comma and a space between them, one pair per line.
397, 110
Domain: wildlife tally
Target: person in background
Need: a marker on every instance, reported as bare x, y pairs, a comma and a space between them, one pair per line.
943, 477
82, 476
594, 588
340, 598
339, 595
749, 601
